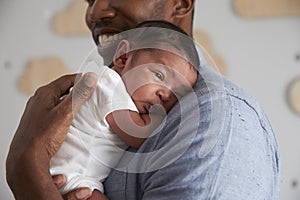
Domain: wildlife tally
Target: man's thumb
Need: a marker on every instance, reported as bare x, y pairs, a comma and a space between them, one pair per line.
82, 90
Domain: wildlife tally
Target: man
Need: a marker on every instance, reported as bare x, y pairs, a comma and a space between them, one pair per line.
216, 144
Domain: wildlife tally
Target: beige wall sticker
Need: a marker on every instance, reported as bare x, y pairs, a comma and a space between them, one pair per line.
212, 58
40, 72
267, 8
294, 95
71, 22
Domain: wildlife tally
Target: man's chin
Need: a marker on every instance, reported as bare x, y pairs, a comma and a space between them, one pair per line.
107, 52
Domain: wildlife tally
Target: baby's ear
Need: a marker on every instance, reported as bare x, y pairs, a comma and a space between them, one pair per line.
121, 54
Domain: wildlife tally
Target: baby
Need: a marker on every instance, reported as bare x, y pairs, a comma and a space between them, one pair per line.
149, 74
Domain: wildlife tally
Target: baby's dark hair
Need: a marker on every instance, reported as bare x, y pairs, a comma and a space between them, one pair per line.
172, 39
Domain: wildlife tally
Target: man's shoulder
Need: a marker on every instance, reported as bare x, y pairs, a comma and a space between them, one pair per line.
213, 86
214, 112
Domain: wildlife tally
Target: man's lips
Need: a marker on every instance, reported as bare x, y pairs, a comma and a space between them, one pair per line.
106, 38
102, 35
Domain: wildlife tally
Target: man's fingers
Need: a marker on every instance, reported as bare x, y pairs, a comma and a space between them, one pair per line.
79, 194
96, 195
60, 86
81, 92
59, 180
83, 194
64, 112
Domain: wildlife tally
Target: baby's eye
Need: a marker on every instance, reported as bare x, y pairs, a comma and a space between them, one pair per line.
159, 75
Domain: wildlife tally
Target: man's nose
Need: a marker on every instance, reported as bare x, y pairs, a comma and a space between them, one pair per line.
101, 9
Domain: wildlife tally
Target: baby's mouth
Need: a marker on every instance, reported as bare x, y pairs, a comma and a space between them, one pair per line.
157, 109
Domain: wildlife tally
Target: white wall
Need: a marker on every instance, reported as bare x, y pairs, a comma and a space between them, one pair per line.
259, 56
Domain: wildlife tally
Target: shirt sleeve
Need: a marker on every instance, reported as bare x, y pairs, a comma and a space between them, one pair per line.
110, 95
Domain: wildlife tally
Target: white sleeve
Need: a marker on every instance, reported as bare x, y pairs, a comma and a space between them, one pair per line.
115, 95
110, 95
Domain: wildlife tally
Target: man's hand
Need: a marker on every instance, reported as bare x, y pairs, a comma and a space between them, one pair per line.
79, 194
41, 132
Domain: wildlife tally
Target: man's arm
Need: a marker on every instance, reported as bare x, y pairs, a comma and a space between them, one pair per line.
133, 127
41, 132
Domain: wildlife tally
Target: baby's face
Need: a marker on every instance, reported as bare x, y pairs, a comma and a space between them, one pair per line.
157, 77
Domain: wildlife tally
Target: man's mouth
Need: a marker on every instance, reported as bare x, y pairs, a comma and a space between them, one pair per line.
105, 39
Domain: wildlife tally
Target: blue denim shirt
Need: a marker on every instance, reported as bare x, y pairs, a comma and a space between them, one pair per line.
216, 143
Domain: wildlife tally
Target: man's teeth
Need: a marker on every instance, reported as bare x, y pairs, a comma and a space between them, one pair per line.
108, 38
105, 38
